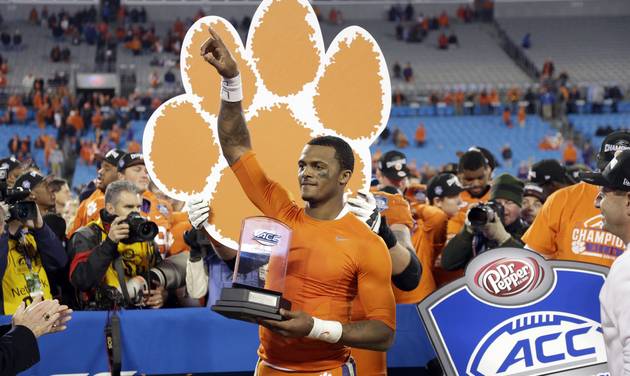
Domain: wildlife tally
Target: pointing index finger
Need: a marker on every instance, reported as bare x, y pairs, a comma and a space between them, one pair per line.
215, 36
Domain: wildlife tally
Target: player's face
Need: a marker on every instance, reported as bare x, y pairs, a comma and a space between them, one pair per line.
319, 174
107, 174
475, 181
138, 175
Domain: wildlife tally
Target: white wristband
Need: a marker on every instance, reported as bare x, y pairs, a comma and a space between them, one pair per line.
231, 89
327, 331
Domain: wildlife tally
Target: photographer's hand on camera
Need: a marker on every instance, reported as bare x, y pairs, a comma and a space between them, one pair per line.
494, 230
36, 223
155, 298
118, 230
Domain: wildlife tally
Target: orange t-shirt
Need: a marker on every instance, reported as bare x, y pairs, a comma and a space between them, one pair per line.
330, 264
569, 227
88, 211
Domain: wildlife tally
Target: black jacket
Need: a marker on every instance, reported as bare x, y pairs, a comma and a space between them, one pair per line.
18, 349
459, 251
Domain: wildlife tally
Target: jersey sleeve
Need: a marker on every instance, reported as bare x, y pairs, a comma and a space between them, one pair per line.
267, 195
374, 283
541, 235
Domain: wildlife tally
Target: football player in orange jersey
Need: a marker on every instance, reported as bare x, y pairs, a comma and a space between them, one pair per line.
333, 256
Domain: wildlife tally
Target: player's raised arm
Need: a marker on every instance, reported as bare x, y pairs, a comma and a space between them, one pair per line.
233, 133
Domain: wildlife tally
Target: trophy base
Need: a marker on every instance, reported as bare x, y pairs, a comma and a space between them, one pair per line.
247, 303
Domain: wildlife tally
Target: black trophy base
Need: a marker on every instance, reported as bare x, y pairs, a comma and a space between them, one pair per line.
247, 303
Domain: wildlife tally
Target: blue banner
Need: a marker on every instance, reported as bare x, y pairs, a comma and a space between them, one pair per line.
188, 340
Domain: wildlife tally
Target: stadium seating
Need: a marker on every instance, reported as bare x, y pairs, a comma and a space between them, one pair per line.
35, 56
587, 124
589, 49
478, 61
447, 135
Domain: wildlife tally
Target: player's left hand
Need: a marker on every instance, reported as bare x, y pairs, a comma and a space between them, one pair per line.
297, 324
364, 207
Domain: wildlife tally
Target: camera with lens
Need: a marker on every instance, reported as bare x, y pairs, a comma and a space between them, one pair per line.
140, 229
485, 213
19, 209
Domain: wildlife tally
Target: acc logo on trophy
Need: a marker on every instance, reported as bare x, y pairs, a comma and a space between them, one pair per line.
266, 238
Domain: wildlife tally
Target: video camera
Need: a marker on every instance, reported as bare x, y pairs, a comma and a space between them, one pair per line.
19, 209
482, 214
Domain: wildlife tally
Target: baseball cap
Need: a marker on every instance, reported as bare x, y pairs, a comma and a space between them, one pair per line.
443, 185
29, 180
9, 164
130, 159
393, 165
547, 171
615, 176
534, 191
113, 156
617, 140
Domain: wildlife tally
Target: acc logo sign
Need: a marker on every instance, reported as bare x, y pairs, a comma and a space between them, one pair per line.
266, 237
538, 343
519, 277
510, 276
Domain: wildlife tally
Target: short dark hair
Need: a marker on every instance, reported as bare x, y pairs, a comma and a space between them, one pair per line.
472, 160
55, 184
343, 151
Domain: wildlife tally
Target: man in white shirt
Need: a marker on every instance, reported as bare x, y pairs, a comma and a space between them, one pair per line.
614, 202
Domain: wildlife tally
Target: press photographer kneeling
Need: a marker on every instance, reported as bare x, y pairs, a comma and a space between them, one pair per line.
115, 261
495, 224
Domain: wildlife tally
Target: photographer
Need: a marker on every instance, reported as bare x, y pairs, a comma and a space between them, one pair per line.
131, 168
495, 224
29, 250
112, 256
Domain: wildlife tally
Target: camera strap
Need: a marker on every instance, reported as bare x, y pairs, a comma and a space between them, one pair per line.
118, 266
113, 343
